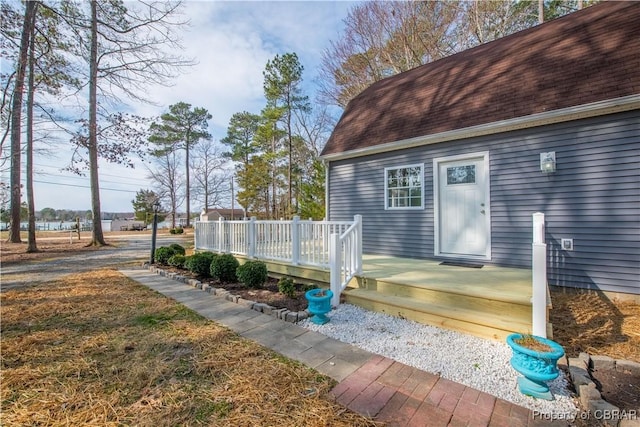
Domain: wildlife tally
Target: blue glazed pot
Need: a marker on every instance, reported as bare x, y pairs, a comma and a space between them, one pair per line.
319, 306
536, 366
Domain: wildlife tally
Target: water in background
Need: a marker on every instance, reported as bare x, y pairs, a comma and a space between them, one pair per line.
52, 225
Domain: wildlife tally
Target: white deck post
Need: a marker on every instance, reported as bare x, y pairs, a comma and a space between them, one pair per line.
539, 277
295, 240
251, 238
358, 220
221, 233
335, 268
195, 235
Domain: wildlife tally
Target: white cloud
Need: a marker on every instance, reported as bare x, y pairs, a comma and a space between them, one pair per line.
232, 42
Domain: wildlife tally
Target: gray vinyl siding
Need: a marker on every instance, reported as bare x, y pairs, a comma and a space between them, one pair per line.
593, 198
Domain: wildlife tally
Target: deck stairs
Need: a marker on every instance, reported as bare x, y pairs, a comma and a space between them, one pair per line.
490, 302
493, 318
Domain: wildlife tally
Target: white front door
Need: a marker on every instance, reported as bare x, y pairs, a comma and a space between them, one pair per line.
462, 206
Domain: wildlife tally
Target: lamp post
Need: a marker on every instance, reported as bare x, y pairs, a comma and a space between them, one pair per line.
156, 207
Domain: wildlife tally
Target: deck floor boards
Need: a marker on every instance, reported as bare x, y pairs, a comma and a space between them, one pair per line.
490, 282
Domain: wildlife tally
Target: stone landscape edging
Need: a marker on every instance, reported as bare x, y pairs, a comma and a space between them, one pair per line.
590, 398
279, 313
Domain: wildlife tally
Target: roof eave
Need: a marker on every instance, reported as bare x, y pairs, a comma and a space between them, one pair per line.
600, 108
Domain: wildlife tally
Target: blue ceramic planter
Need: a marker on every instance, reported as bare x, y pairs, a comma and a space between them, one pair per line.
319, 306
536, 366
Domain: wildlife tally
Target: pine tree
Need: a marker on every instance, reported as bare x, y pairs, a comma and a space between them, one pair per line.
181, 128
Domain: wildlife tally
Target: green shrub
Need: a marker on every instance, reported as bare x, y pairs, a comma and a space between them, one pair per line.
177, 261
200, 263
163, 254
223, 268
178, 249
179, 230
172, 231
287, 287
252, 274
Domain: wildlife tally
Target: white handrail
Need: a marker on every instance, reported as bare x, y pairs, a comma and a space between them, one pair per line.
345, 258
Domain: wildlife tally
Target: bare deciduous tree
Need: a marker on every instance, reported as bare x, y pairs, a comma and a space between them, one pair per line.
31, 236
16, 117
130, 47
382, 39
169, 181
212, 180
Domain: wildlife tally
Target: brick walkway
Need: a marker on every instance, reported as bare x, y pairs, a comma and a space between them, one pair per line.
400, 395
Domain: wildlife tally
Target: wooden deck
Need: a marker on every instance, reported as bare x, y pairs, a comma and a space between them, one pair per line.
489, 302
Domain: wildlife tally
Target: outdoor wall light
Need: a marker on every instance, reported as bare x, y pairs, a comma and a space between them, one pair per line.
548, 162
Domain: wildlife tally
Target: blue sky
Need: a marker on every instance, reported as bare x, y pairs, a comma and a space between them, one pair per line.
231, 42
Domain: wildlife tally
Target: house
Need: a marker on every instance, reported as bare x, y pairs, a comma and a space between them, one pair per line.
224, 213
126, 225
448, 161
181, 220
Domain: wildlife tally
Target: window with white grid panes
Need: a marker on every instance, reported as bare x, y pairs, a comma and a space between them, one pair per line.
404, 187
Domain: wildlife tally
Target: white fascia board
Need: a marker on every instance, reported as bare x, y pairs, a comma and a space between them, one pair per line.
600, 108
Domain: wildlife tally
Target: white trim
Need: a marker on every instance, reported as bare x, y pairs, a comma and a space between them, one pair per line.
386, 188
600, 108
484, 155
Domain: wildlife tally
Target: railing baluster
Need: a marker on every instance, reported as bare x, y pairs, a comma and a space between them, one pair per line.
300, 242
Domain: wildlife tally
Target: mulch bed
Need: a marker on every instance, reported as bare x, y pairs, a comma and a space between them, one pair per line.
268, 293
590, 322
618, 388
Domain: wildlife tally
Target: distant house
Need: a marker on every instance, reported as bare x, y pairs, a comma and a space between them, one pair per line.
127, 225
226, 214
449, 160
181, 220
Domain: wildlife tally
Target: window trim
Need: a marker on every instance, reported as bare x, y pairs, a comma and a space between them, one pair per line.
386, 187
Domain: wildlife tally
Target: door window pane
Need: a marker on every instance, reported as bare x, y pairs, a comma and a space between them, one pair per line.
461, 175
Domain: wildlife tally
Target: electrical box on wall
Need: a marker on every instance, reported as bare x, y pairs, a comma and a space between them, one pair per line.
567, 244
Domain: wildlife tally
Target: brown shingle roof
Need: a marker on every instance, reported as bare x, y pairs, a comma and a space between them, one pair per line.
587, 56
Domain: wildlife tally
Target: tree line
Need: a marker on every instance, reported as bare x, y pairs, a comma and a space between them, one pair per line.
97, 53
100, 55
274, 153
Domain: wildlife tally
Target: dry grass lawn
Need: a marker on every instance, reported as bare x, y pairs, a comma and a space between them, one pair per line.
16, 252
99, 349
588, 321
55, 244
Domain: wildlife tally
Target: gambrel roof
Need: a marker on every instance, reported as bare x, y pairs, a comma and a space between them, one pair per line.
583, 58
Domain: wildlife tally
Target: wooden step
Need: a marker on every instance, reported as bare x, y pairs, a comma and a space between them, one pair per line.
478, 300
495, 325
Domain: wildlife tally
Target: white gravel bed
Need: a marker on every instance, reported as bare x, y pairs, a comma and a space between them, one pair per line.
475, 362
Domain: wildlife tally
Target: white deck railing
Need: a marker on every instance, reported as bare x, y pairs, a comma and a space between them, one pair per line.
345, 258
332, 245
540, 289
